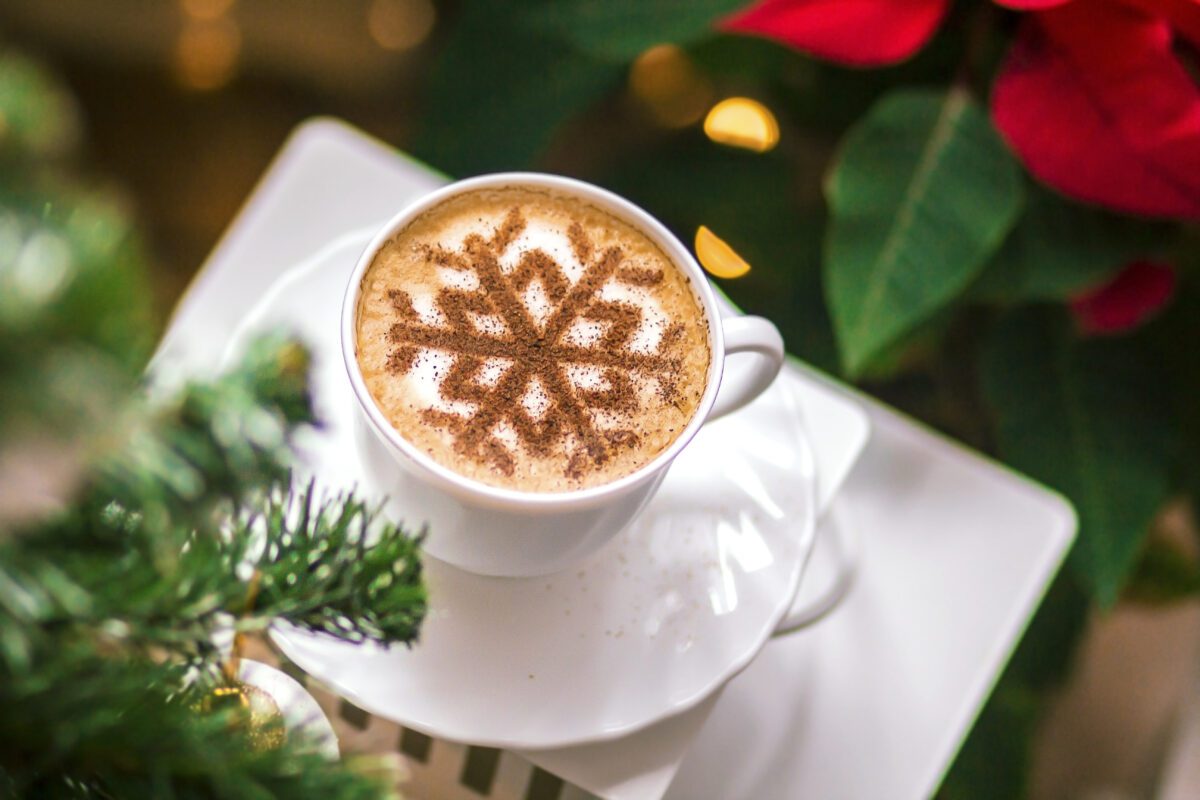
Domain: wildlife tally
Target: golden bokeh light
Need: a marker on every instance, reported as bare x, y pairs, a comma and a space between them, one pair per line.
717, 257
205, 9
664, 80
207, 53
400, 24
742, 122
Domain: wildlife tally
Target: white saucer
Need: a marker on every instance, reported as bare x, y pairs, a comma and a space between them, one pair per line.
652, 624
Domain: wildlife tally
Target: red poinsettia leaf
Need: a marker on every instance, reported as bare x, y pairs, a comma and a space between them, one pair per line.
1136, 293
856, 32
1095, 103
1031, 5
1184, 15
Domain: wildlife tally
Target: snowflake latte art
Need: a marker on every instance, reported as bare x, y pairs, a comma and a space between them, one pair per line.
529, 340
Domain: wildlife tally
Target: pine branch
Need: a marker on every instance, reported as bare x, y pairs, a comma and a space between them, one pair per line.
106, 728
129, 571
213, 444
324, 565
333, 566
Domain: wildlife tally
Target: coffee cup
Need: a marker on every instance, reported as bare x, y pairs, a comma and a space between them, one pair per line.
505, 531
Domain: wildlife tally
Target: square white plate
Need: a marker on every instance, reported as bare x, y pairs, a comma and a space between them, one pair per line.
873, 702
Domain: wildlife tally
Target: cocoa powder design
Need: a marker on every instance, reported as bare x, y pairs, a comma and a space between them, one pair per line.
535, 352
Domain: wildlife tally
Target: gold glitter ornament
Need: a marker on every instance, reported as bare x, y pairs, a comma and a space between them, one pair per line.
256, 713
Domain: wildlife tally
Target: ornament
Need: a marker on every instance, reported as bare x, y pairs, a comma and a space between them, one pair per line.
259, 715
271, 706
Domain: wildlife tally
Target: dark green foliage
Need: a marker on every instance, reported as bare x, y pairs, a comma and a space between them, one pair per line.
133, 531
1058, 249
620, 29
41, 120
1092, 419
328, 566
499, 91
994, 762
1164, 574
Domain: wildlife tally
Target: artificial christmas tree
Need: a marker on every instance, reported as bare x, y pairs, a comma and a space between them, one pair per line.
134, 534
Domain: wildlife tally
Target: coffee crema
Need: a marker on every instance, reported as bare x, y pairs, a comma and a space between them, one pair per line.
529, 340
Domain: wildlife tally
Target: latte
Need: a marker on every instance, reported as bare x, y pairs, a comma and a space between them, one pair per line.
529, 340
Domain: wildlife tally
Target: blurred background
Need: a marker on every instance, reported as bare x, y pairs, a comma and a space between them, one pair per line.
182, 105
172, 109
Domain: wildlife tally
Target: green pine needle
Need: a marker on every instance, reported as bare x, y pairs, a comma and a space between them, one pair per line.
214, 443
333, 566
149, 529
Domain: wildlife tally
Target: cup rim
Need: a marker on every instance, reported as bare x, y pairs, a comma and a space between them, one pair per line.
477, 491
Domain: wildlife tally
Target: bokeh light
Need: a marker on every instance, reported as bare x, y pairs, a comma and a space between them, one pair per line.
207, 53
742, 122
400, 24
717, 257
666, 82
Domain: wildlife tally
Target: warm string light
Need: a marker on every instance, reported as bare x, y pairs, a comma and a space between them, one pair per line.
665, 82
400, 24
209, 45
717, 257
742, 122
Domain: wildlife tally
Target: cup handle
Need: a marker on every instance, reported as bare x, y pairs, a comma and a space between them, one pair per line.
758, 337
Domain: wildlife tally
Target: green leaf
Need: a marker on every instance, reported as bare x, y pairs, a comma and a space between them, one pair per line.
1091, 419
1059, 248
1046, 652
1177, 325
748, 61
499, 92
995, 759
921, 195
620, 29
1165, 574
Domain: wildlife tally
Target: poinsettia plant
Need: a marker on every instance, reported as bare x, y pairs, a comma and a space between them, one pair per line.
981, 210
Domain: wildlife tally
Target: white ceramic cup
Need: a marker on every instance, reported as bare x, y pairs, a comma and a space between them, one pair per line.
497, 531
